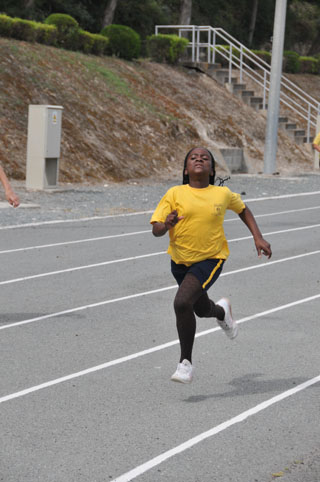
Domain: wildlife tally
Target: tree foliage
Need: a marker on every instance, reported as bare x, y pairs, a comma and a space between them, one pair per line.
235, 16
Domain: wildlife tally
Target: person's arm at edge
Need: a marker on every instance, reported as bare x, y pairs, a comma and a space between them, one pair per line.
316, 147
261, 244
12, 198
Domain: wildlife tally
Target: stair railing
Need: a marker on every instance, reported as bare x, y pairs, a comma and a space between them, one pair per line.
218, 43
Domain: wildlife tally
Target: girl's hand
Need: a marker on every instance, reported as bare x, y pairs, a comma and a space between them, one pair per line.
263, 247
172, 219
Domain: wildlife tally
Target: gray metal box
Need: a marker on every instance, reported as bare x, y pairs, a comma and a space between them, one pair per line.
43, 148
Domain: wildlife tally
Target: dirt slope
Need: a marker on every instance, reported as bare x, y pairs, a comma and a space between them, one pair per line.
125, 120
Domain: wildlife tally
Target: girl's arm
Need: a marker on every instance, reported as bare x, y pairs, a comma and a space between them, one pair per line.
261, 244
159, 229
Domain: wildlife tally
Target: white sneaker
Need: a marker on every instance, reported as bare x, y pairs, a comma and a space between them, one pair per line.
228, 325
183, 373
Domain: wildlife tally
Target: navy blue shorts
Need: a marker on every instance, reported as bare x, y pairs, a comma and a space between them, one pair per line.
207, 271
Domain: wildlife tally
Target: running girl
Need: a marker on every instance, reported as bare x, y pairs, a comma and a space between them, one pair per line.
193, 213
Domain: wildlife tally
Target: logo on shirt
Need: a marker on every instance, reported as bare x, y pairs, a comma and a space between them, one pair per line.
217, 209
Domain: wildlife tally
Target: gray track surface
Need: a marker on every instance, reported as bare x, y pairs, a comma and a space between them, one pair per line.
107, 421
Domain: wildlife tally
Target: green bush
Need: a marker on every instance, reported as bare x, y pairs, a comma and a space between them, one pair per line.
91, 43
100, 44
309, 65
291, 62
46, 34
124, 42
166, 48
85, 41
6, 25
263, 55
62, 21
24, 30
68, 30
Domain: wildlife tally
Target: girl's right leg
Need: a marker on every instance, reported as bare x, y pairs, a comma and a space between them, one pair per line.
190, 297
187, 294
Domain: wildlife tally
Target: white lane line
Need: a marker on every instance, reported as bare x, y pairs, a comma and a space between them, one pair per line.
78, 220
105, 263
278, 213
148, 351
282, 196
145, 293
150, 464
77, 241
94, 218
101, 238
282, 231
78, 268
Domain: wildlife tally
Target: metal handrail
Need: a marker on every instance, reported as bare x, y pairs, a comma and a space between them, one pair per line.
239, 57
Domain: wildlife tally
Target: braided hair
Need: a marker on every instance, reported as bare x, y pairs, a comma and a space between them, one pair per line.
185, 178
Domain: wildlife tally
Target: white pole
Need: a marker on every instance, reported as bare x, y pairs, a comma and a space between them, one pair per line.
271, 139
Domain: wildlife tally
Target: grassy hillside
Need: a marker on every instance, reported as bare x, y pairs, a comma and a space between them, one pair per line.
125, 120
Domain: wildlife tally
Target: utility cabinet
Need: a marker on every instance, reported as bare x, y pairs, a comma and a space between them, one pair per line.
43, 147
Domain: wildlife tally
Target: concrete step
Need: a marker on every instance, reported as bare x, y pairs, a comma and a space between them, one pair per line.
292, 134
291, 126
246, 96
255, 102
300, 132
221, 75
299, 139
283, 121
214, 66
237, 89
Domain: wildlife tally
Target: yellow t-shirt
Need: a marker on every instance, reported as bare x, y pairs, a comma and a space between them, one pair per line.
200, 235
317, 140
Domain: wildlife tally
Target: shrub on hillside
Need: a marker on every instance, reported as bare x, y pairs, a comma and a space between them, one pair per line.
291, 62
223, 56
166, 48
46, 34
85, 41
91, 43
24, 30
27, 30
309, 65
124, 42
68, 29
263, 55
6, 24
100, 44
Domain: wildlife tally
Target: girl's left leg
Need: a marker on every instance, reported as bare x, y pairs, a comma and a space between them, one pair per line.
206, 308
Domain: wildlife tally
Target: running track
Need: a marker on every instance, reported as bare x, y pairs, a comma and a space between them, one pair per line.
88, 344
